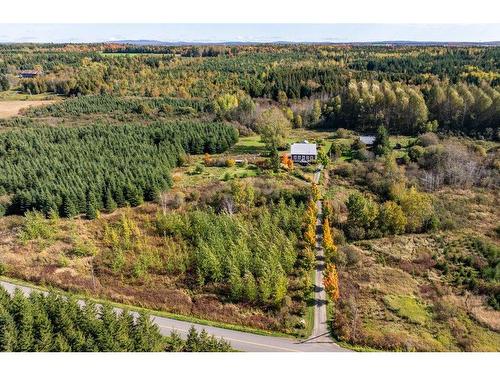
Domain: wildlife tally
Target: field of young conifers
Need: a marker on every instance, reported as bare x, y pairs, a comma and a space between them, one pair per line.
85, 169
107, 104
251, 253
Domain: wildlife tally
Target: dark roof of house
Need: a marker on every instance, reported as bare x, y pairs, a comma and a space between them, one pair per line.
29, 72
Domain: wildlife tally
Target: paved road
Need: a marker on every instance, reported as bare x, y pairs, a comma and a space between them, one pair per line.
320, 331
241, 341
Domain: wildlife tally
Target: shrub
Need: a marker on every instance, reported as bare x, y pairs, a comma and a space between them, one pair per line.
417, 208
36, 227
342, 133
416, 152
392, 218
199, 169
352, 255
428, 139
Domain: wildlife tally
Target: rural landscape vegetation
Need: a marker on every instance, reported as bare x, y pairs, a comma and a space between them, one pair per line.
152, 180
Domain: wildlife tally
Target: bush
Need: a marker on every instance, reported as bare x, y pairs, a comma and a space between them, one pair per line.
416, 152
36, 227
345, 170
428, 139
199, 169
392, 219
341, 133
352, 255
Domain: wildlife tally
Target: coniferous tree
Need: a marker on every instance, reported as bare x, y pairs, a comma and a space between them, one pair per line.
8, 340
90, 205
22, 313
68, 208
382, 145
147, 337
109, 203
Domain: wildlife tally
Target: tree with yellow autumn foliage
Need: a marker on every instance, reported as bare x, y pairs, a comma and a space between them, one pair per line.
311, 212
310, 222
331, 282
310, 235
328, 244
207, 160
315, 192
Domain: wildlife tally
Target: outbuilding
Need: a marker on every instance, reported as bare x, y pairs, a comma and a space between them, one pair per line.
304, 152
29, 73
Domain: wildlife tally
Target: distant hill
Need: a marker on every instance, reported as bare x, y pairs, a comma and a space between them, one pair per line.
142, 42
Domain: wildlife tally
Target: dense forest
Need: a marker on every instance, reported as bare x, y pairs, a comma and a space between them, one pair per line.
358, 87
51, 323
85, 169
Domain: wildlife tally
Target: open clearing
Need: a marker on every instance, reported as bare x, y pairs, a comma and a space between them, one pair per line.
11, 108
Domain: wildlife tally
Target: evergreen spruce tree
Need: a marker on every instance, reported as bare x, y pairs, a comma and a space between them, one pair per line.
42, 330
192, 341
124, 330
90, 205
21, 311
250, 287
147, 337
68, 208
274, 159
8, 341
61, 344
382, 145
109, 324
235, 283
109, 203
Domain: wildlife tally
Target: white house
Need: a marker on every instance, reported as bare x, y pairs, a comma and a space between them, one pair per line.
304, 152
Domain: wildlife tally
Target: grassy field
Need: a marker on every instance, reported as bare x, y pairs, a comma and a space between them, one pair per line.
249, 145
189, 176
12, 95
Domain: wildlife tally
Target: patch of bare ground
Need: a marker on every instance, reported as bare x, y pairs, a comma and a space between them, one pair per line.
12, 108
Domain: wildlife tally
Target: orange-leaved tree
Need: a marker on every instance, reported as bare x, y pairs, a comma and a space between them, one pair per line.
207, 160
286, 161
331, 282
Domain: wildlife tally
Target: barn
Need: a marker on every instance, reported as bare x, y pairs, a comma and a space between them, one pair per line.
29, 73
304, 152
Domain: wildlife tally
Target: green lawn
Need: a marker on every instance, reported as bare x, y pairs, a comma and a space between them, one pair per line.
15, 95
408, 307
188, 177
249, 145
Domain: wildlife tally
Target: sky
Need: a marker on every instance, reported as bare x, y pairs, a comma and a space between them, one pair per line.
246, 32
